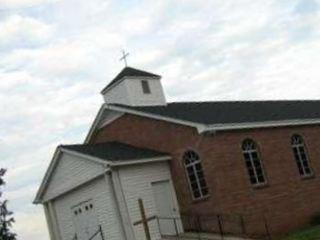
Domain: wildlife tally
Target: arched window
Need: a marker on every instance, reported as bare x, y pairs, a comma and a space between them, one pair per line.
253, 162
195, 174
301, 155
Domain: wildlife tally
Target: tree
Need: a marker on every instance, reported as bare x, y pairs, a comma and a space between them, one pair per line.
6, 219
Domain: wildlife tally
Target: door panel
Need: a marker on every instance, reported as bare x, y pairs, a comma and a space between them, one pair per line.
165, 207
85, 220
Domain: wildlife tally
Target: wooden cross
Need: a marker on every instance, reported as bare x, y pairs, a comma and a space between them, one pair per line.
144, 220
124, 57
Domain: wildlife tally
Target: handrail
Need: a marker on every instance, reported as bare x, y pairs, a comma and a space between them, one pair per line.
75, 237
96, 233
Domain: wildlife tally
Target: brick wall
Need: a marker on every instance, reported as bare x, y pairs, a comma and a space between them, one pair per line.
287, 201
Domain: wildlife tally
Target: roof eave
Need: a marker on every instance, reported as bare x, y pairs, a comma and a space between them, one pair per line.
265, 124
109, 87
198, 126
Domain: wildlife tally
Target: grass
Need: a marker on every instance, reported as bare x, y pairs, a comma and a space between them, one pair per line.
312, 233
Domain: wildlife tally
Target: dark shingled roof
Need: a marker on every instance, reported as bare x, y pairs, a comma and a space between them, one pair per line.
114, 151
130, 72
224, 112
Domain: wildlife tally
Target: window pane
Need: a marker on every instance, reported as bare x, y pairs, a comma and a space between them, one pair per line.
192, 177
261, 179
194, 186
253, 162
307, 170
145, 87
300, 155
195, 174
198, 167
204, 191
253, 180
203, 183
196, 194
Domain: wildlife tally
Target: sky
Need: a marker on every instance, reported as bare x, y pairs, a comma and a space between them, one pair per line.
56, 56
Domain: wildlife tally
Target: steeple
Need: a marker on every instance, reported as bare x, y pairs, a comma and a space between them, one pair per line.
134, 87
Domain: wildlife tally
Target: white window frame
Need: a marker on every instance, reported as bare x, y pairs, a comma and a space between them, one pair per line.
192, 164
250, 149
297, 142
145, 87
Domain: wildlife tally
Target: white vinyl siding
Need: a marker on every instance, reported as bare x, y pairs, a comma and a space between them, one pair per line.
100, 194
129, 92
136, 183
70, 172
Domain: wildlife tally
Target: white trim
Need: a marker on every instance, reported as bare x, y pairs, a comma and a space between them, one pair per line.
266, 124
222, 126
108, 88
110, 120
139, 161
95, 123
53, 164
110, 163
201, 128
121, 200
105, 163
108, 179
55, 224
88, 157
49, 222
154, 116
219, 127
47, 175
76, 186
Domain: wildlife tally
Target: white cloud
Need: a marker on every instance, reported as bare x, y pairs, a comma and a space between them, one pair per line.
8, 4
17, 31
54, 60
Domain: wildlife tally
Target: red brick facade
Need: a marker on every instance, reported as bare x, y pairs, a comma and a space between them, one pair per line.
287, 201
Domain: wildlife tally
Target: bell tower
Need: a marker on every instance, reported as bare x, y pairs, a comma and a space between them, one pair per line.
134, 87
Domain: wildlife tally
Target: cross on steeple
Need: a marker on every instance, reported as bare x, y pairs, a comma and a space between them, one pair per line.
124, 57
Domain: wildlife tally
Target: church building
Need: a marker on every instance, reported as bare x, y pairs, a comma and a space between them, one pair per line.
256, 159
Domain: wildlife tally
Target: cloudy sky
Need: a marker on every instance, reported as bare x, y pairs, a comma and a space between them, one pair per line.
56, 55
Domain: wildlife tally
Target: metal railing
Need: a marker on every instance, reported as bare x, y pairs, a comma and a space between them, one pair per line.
99, 231
215, 226
96, 233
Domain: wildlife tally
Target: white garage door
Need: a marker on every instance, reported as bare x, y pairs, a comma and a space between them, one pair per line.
85, 220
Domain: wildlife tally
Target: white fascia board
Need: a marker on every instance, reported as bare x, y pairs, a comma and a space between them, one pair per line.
267, 124
95, 123
77, 186
201, 128
47, 175
52, 165
109, 163
97, 120
157, 117
126, 77
88, 157
139, 161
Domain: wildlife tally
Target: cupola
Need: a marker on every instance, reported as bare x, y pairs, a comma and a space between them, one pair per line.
135, 87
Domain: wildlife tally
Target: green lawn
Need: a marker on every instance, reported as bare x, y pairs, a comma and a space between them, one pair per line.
312, 233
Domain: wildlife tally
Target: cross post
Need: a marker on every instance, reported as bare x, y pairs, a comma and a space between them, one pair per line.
124, 57
144, 220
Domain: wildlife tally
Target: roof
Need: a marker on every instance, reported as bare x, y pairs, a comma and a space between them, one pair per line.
234, 112
114, 151
130, 72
